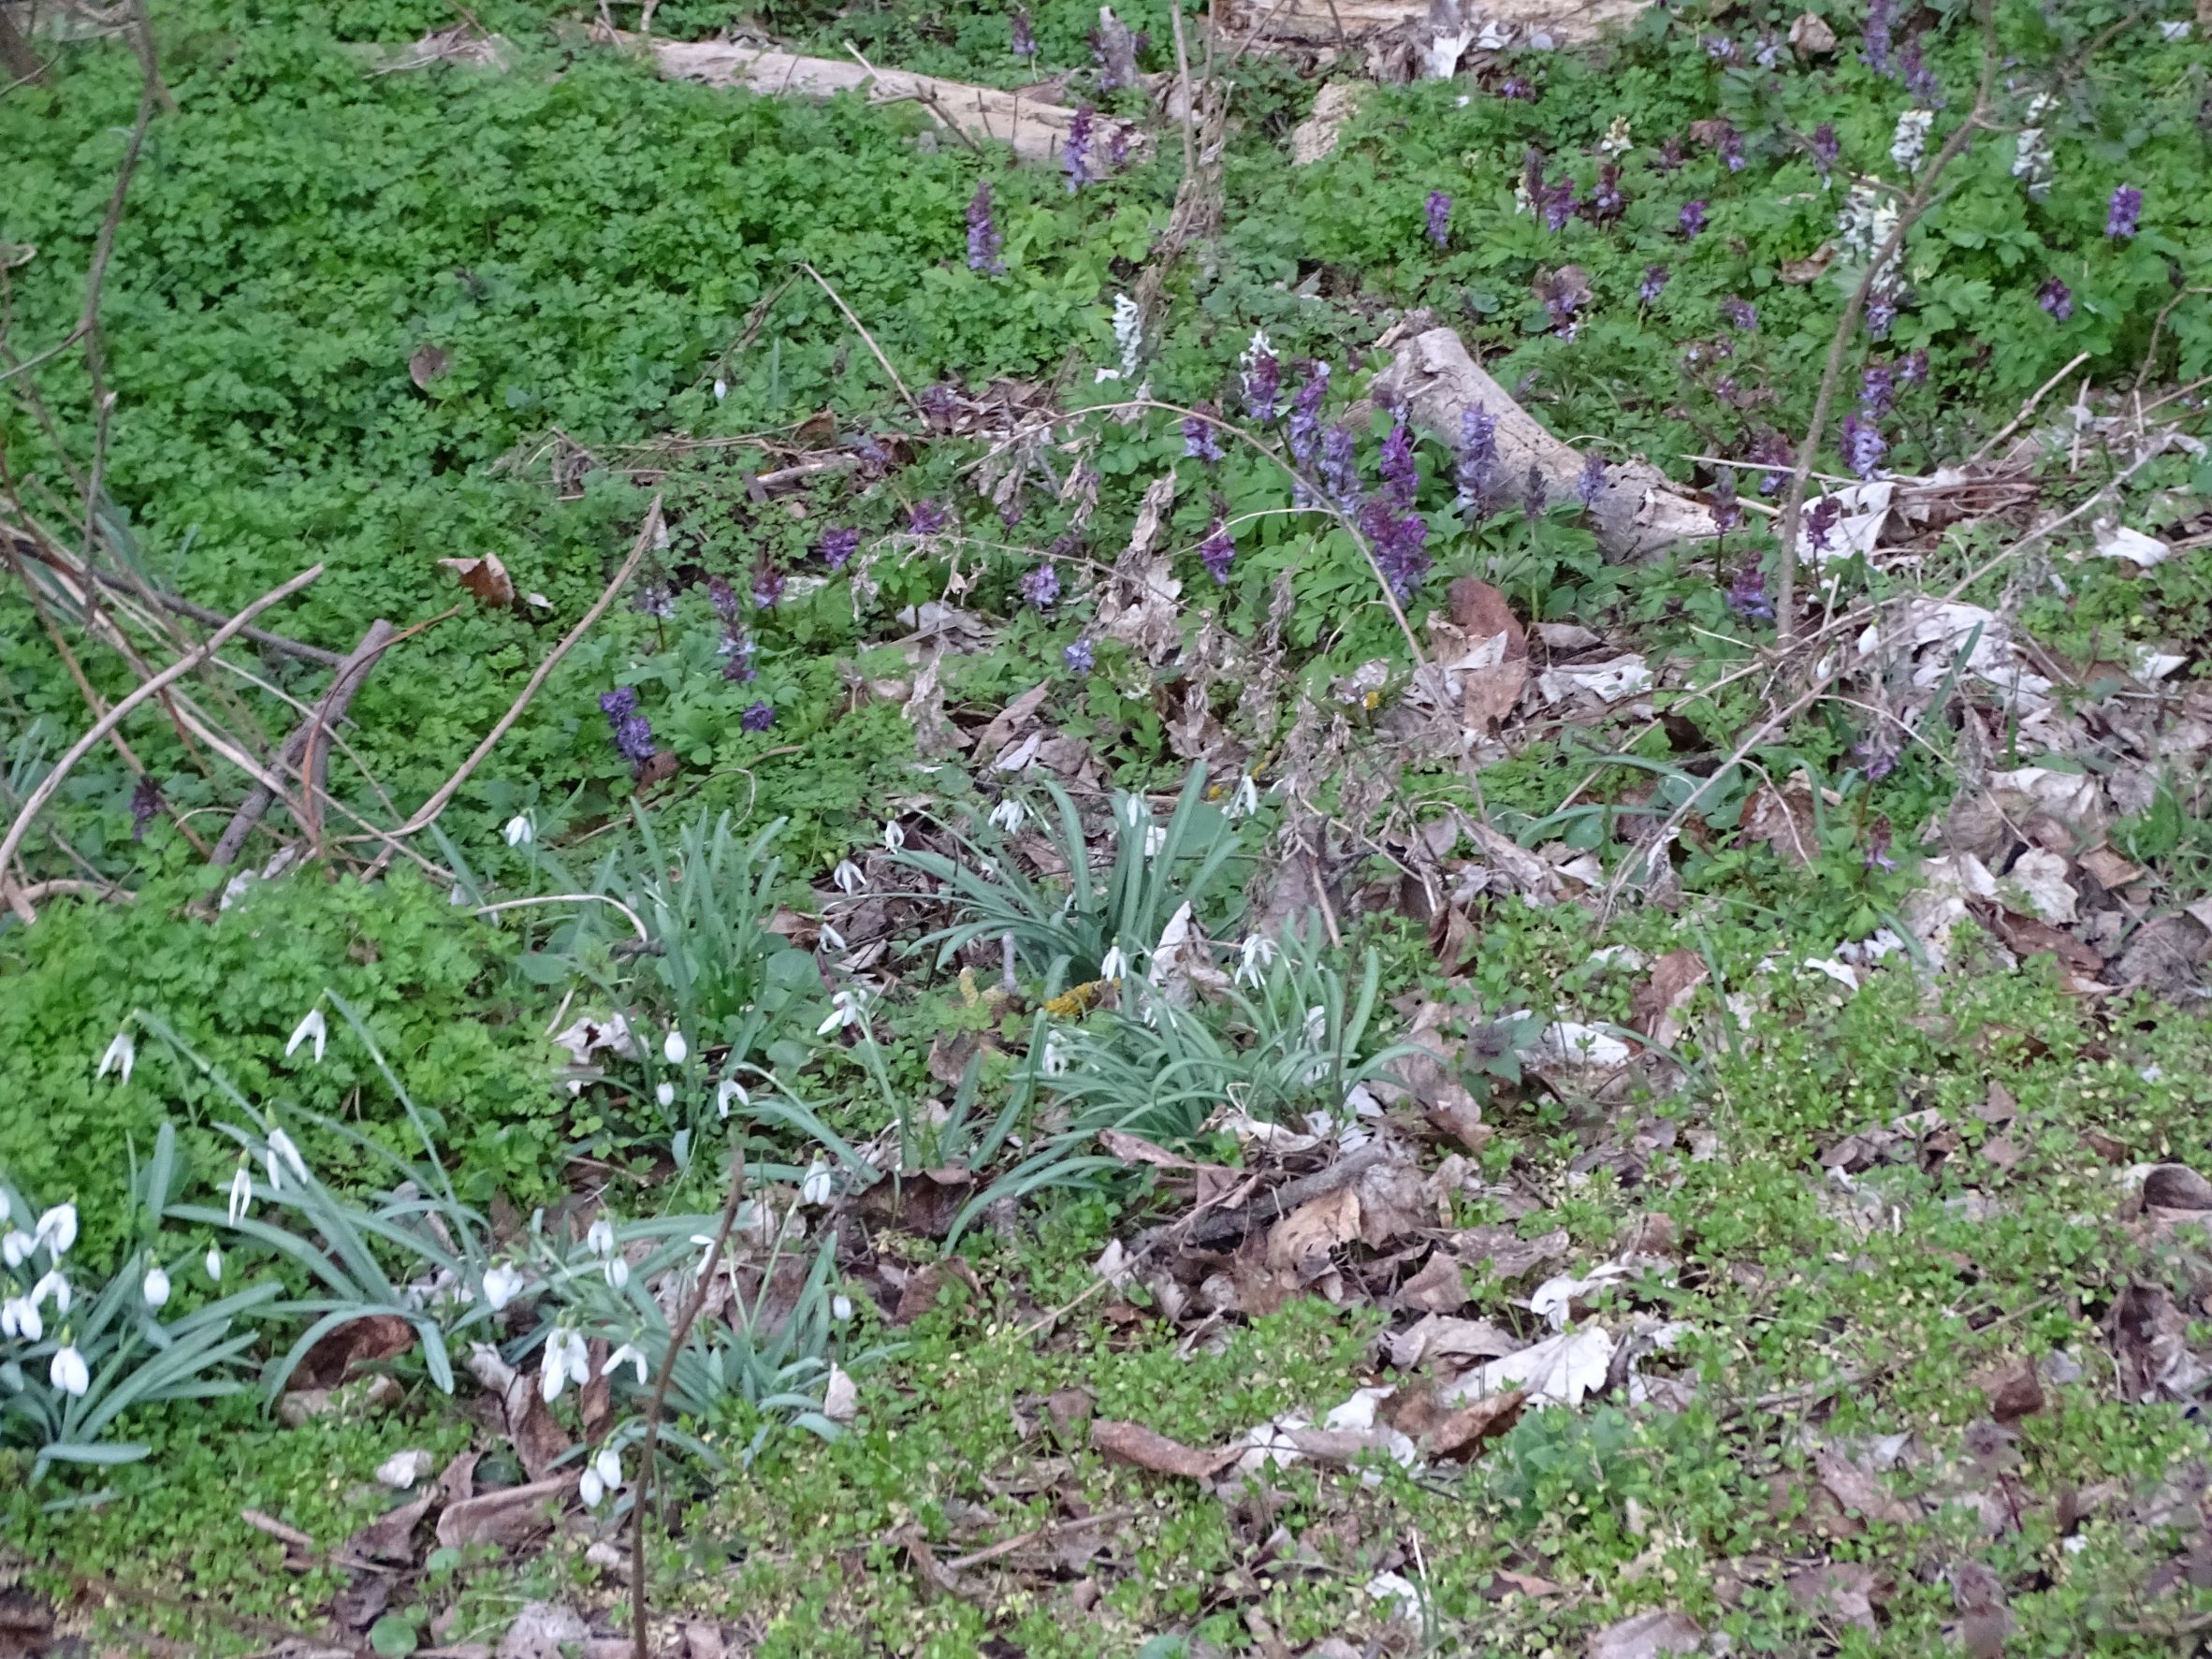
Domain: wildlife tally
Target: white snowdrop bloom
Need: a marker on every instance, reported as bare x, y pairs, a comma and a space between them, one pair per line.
627, 1354
599, 1238
665, 1095
1257, 951
1155, 837
1128, 333
52, 1283
519, 831
727, 1092
1317, 1022
894, 835
57, 1229
16, 1248
590, 1489
1133, 811
156, 1287
502, 1284
721, 390
241, 1193
310, 1029
848, 876
1243, 800
846, 1009
120, 1055
817, 1188
69, 1373
212, 1262
1007, 815
1053, 1061
1909, 142
673, 1049
283, 1154
565, 1360
609, 1464
840, 1308
831, 939
1114, 964
18, 1316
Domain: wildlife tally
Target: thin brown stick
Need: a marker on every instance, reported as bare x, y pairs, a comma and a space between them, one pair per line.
1189, 97
437, 803
2028, 408
677, 1333
860, 328
19, 57
114, 717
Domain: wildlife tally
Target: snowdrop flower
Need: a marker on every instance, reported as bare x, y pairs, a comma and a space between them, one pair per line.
831, 939
1114, 964
310, 1029
815, 1186
1909, 142
519, 831
1243, 800
894, 835
665, 1093
17, 1247
1252, 963
599, 1238
57, 1229
121, 1053
1155, 837
212, 1262
565, 1360
18, 1316
52, 1283
840, 1308
502, 1284
721, 390
69, 1373
627, 1354
673, 1049
241, 1193
847, 876
155, 1288
1317, 1022
1132, 809
729, 1089
1007, 815
604, 1477
1054, 1062
846, 1009
282, 1155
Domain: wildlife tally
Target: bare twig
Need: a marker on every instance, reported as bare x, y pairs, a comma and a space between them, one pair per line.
2028, 408
839, 300
678, 1334
114, 717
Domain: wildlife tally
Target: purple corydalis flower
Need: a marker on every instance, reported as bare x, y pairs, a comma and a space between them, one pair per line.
655, 600
1728, 512
1821, 520
145, 805
982, 255
737, 649
927, 517
1692, 218
1721, 49
1514, 86
767, 587
1042, 587
1880, 760
1741, 314
1877, 388
1340, 476
1304, 426
2056, 297
1608, 200
1200, 441
1075, 155
1774, 457
1263, 382
1216, 551
1398, 468
2123, 213
1398, 541
1920, 80
1559, 202
759, 718
1533, 499
1881, 315
633, 735
1080, 655
1478, 460
723, 598
1729, 143
940, 407
837, 546
1863, 445
1025, 39
1876, 35
1913, 371
1439, 218
1591, 482
1826, 148
1747, 595
1653, 284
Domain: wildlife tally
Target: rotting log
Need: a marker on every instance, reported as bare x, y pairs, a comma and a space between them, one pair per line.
1638, 513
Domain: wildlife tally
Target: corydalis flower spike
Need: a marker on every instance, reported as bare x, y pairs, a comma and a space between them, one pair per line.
982, 232
1439, 217
1216, 551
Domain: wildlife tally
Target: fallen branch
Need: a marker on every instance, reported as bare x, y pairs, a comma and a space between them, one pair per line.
352, 671
115, 716
1336, 21
1228, 1225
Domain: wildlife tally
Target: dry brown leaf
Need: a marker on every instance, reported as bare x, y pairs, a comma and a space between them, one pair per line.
1009, 721
1857, 1491
485, 577
1647, 1635
1315, 1228
1810, 37
1836, 1590
505, 1517
2108, 869
1135, 1445
428, 364
925, 1202
1439, 1287
2012, 1389
1442, 1337
1809, 269
1656, 1005
339, 1353
1462, 1433
1783, 820
1394, 1199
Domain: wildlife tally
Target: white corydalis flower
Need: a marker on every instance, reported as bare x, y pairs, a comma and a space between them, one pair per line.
1616, 143
1128, 333
310, 1029
121, 1055
68, 1372
520, 832
1909, 142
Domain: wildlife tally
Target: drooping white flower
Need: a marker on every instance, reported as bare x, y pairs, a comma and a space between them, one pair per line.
817, 1186
847, 1008
1114, 964
727, 1091
502, 1284
1007, 815
831, 939
590, 1489
121, 1055
309, 1029
1258, 951
1243, 800
609, 1464
284, 1154
17, 1247
673, 1049
840, 1308
57, 1229
18, 1316
156, 1287
565, 1360
1909, 142
895, 833
627, 1354
242, 1192
68, 1372
848, 876
599, 1238
721, 390
212, 1262
52, 1283
1155, 837
1317, 1022
520, 832
1053, 1061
